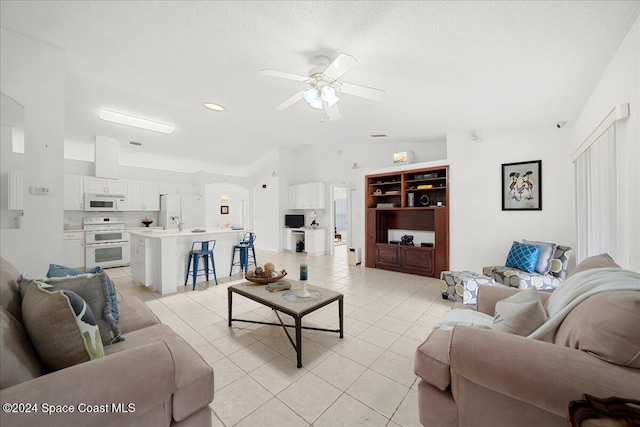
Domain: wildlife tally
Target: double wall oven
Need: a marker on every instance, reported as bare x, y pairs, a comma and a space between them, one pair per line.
106, 242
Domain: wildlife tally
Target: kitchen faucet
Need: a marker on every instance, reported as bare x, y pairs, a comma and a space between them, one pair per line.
176, 219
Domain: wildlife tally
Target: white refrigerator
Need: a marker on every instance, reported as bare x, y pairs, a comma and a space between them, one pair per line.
176, 208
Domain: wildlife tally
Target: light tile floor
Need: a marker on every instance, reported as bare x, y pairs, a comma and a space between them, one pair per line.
366, 378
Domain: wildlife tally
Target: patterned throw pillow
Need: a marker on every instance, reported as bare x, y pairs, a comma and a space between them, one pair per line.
93, 289
61, 326
547, 250
560, 262
56, 270
523, 257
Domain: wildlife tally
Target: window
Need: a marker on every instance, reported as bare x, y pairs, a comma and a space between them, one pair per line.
597, 197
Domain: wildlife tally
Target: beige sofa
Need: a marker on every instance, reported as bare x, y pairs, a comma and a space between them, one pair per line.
153, 378
481, 377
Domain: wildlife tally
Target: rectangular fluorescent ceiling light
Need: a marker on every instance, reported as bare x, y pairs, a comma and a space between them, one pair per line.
124, 119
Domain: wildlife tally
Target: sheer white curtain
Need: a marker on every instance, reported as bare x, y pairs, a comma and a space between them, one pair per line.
596, 198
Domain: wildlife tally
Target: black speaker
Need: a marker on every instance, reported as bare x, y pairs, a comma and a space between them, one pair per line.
424, 200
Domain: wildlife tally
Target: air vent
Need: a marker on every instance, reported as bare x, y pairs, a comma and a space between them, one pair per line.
139, 144
380, 135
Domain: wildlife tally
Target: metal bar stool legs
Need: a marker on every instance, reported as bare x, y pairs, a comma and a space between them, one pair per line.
206, 253
243, 249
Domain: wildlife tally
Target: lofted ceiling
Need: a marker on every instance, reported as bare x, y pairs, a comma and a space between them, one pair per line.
445, 66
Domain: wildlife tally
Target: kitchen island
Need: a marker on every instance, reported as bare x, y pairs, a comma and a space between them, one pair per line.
159, 257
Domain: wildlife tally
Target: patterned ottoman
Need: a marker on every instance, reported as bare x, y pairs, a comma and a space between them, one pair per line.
462, 286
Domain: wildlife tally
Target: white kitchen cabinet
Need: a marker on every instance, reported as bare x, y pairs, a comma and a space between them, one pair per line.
173, 188
168, 188
73, 192
73, 249
293, 197
286, 239
138, 259
315, 241
16, 190
104, 186
143, 196
307, 196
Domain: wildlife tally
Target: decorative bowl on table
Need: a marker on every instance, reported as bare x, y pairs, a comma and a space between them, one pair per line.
147, 222
261, 280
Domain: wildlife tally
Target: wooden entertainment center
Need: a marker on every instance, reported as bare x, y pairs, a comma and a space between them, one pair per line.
415, 202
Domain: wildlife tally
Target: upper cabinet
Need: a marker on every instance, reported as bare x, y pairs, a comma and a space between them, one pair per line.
173, 188
307, 196
73, 192
16, 190
143, 196
104, 186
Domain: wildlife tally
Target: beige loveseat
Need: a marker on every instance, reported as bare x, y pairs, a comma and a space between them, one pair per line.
152, 378
481, 377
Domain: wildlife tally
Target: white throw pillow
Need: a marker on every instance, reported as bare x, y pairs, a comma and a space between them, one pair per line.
520, 314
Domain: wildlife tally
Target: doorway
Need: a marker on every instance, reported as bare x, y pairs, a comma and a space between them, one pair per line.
339, 217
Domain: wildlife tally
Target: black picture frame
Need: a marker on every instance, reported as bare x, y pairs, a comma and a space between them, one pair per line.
224, 210
521, 186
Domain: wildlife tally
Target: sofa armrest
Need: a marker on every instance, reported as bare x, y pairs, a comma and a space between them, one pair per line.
142, 377
542, 374
488, 297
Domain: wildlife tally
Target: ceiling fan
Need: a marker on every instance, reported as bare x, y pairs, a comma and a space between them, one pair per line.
324, 85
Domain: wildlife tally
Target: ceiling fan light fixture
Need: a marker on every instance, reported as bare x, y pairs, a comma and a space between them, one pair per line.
329, 96
328, 93
317, 104
310, 95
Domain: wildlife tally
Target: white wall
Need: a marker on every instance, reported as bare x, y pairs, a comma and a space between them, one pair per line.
266, 175
480, 232
620, 83
32, 73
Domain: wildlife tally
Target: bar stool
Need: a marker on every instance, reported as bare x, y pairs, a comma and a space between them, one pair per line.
243, 247
206, 252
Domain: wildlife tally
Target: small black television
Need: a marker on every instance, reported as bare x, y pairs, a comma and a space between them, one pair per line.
294, 221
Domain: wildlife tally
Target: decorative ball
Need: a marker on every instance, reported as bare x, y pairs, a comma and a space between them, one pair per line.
269, 267
259, 272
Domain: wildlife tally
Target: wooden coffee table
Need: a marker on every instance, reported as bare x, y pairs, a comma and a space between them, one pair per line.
288, 302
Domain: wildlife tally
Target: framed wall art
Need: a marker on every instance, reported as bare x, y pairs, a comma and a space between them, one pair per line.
522, 186
224, 210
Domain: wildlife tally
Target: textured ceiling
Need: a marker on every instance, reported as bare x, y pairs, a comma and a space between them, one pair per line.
445, 66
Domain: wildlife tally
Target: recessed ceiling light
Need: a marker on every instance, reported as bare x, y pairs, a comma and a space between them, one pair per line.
124, 119
214, 107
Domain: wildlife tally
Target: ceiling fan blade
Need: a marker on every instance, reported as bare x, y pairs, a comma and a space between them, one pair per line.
362, 91
333, 113
289, 102
284, 75
340, 65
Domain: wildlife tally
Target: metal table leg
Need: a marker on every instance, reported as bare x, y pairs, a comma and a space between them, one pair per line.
299, 340
229, 298
341, 315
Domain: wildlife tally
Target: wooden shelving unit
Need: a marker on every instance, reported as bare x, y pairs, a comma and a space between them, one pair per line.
415, 200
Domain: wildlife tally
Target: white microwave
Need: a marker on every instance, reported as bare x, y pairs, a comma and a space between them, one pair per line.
105, 203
